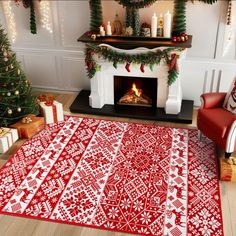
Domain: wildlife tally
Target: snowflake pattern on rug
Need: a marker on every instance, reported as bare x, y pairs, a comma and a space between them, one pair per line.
135, 178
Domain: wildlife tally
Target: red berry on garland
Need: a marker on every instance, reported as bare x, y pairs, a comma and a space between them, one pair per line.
186, 37
178, 39
127, 67
174, 39
142, 67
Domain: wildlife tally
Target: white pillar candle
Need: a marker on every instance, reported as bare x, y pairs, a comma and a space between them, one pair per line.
102, 31
154, 25
109, 28
167, 25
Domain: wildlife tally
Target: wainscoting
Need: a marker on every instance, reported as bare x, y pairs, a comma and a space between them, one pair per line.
56, 61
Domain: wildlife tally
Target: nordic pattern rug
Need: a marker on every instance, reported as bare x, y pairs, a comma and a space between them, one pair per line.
128, 177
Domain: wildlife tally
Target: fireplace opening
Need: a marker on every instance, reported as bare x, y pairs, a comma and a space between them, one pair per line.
135, 91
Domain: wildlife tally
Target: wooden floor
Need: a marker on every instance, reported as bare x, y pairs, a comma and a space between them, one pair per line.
19, 226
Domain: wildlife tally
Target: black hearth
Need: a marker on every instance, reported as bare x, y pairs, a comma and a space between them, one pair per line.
81, 105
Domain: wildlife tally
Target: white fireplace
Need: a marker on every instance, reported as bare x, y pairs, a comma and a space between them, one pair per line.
102, 84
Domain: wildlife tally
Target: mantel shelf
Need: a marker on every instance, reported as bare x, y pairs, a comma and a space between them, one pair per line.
134, 42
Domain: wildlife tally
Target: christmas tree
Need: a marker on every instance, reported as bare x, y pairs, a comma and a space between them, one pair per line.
16, 100
95, 15
179, 18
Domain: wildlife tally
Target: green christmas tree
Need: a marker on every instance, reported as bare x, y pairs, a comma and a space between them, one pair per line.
16, 100
95, 15
133, 20
179, 18
33, 28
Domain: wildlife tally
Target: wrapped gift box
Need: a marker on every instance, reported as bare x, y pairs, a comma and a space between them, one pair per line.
29, 126
227, 171
7, 138
51, 109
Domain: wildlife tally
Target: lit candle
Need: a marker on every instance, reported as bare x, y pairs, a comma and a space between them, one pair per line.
154, 25
167, 25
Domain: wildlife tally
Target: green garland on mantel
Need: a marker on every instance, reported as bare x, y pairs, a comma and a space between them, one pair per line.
149, 58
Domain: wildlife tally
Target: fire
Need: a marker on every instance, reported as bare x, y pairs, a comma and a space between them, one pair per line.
138, 92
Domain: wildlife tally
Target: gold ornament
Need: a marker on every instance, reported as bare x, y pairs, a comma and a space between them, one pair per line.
9, 111
11, 66
18, 71
5, 54
93, 36
5, 59
16, 92
19, 109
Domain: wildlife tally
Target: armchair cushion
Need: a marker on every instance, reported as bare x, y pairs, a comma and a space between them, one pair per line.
217, 120
230, 99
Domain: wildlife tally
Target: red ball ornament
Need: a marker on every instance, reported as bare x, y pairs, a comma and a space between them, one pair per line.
174, 39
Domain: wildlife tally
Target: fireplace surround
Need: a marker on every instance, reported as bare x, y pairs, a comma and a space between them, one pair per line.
100, 100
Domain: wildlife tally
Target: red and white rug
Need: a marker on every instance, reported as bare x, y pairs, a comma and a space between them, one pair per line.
134, 178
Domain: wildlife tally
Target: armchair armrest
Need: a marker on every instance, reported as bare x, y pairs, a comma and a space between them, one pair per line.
212, 100
231, 139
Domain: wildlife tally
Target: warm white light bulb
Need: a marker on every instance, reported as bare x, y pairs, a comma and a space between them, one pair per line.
45, 15
10, 19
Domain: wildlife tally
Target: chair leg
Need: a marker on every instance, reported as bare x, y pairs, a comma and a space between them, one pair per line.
227, 154
200, 135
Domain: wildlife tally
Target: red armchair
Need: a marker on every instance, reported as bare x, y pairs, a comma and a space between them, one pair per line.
217, 123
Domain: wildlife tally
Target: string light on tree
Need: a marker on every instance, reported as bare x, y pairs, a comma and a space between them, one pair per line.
45, 15
10, 18
16, 100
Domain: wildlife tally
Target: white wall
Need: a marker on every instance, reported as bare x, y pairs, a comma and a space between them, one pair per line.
56, 61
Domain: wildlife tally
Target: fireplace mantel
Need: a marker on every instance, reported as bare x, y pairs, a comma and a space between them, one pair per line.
134, 42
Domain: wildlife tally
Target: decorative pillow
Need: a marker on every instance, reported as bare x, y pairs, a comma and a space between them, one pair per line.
230, 99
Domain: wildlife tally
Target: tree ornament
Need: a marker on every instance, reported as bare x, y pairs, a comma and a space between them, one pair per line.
127, 67
5, 54
5, 59
142, 67
18, 109
9, 111
10, 86
18, 72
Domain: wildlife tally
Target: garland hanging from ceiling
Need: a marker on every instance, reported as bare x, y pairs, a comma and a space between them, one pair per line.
169, 55
136, 4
